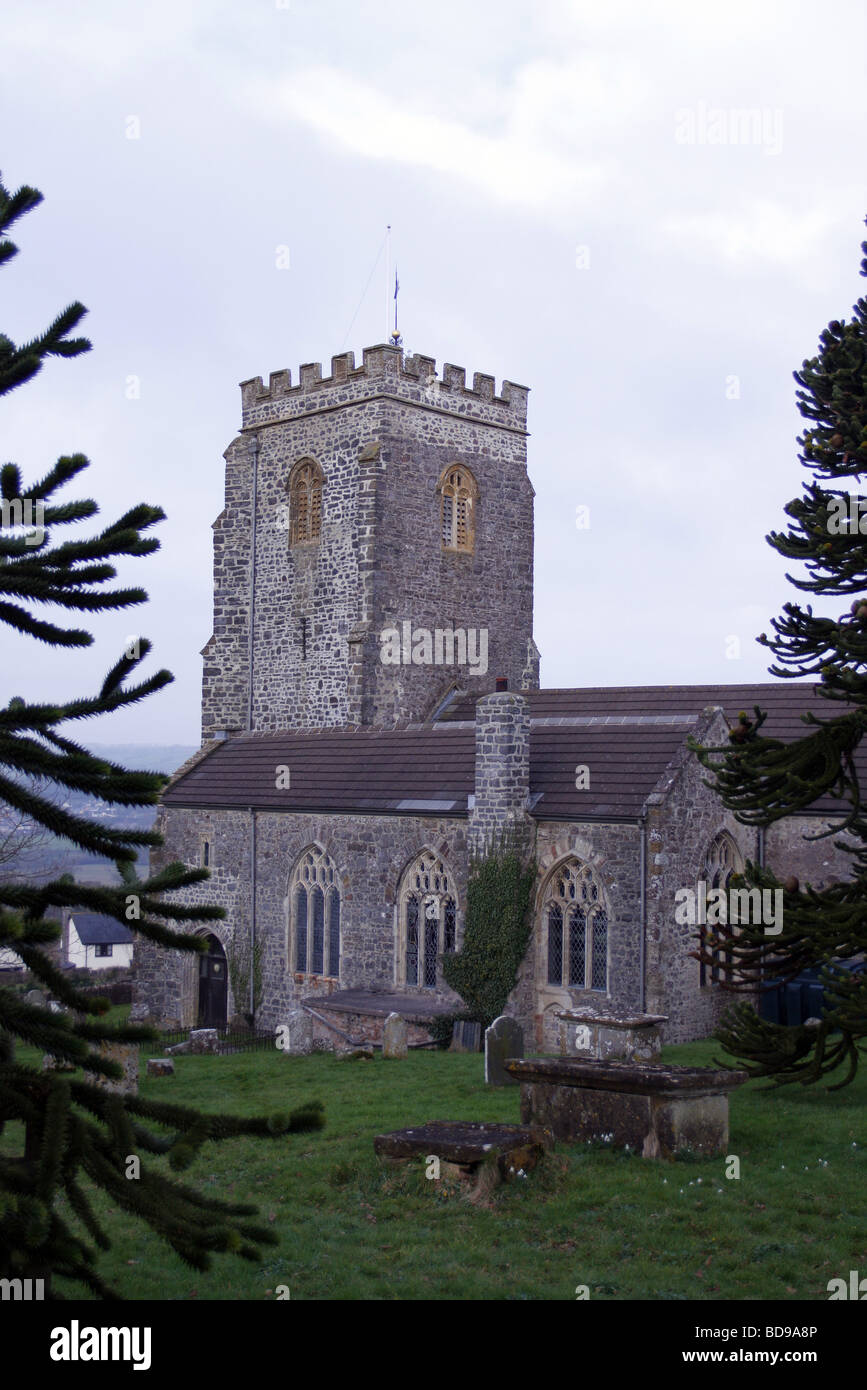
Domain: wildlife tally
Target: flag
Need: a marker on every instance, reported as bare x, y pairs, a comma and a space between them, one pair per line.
396, 283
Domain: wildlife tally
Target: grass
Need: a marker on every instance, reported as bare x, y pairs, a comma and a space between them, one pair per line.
626, 1227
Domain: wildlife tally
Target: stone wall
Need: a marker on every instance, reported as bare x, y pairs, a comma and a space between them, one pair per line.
371, 854
362, 1028
612, 850
382, 434
683, 818
502, 769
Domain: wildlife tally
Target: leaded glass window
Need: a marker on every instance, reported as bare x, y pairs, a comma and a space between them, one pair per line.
334, 934
576, 929
449, 922
721, 862
315, 923
318, 953
301, 929
428, 920
555, 944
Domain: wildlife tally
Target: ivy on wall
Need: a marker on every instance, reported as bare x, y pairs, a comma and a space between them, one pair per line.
238, 962
496, 932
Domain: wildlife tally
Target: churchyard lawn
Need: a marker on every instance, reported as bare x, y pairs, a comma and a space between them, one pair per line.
625, 1227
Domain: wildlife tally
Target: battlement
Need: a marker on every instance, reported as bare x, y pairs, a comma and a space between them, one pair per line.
384, 370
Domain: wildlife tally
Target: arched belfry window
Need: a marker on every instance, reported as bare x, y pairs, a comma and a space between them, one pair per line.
427, 920
574, 925
314, 916
459, 493
722, 861
305, 502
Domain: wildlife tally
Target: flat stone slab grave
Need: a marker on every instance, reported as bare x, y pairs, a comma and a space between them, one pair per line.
654, 1109
480, 1154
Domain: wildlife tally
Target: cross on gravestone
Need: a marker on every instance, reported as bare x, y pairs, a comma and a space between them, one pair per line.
504, 1038
394, 1037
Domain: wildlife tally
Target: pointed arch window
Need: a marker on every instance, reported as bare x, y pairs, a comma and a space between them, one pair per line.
459, 493
575, 929
722, 861
314, 926
305, 502
427, 920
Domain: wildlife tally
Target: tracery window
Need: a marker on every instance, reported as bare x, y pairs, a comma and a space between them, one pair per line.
575, 929
427, 919
305, 502
721, 862
459, 492
314, 927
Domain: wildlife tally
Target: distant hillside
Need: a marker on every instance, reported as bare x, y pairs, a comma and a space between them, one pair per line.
53, 856
146, 757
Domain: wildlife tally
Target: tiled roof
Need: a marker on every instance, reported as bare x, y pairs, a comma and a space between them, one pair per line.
428, 770
626, 736
96, 930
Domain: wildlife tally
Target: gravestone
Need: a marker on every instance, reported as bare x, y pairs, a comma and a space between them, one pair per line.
51, 1063
297, 1038
466, 1037
504, 1038
35, 997
126, 1054
161, 1066
394, 1036
204, 1040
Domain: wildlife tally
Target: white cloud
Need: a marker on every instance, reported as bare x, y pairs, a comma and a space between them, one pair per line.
766, 233
513, 165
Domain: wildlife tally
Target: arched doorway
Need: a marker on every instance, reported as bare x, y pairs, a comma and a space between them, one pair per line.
212, 986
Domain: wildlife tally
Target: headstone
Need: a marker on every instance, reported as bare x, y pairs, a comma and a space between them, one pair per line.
204, 1040
35, 997
178, 1048
394, 1037
297, 1039
466, 1037
51, 1063
161, 1066
126, 1054
504, 1038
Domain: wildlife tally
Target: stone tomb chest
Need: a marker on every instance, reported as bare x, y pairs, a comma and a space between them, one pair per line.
479, 1154
606, 1037
652, 1108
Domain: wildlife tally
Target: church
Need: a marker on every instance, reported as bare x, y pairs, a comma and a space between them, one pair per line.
372, 716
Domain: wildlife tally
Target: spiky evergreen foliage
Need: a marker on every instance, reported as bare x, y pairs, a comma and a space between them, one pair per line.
76, 1134
762, 779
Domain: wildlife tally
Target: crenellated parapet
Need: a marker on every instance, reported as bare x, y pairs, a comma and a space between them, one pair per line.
384, 371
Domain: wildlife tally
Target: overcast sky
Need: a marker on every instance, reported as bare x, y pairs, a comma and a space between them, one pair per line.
580, 202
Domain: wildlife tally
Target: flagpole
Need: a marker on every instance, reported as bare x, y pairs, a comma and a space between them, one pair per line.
387, 277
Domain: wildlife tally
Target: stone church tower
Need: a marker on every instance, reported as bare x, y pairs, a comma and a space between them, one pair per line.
375, 551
